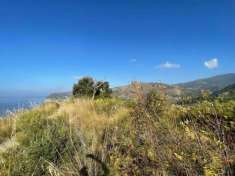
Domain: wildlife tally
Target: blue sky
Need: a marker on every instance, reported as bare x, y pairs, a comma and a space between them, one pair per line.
45, 45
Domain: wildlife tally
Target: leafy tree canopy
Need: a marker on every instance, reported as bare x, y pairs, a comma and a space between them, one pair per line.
88, 87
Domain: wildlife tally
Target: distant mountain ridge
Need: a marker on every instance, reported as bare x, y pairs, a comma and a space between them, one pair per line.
192, 88
213, 84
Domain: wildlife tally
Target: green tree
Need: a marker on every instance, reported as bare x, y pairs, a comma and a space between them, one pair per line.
88, 87
102, 90
84, 87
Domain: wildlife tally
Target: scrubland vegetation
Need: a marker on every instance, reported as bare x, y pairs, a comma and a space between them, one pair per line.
148, 135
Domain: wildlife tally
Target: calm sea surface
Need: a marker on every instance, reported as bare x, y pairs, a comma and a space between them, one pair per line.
12, 104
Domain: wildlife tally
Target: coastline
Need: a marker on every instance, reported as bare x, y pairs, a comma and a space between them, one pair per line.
10, 105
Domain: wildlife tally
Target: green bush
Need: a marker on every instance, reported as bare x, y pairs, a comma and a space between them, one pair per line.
41, 141
109, 106
171, 145
87, 87
84, 87
155, 104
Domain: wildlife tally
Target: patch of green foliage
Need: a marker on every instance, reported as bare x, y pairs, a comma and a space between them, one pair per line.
165, 139
87, 87
41, 142
110, 106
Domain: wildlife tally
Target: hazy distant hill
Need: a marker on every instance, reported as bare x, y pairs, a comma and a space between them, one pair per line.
61, 95
213, 84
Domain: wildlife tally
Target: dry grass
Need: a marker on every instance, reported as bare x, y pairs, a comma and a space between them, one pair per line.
7, 128
82, 114
108, 137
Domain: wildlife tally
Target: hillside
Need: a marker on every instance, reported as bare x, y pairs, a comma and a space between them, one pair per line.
192, 88
129, 90
227, 93
213, 84
82, 137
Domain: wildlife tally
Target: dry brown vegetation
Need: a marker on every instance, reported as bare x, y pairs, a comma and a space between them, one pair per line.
149, 136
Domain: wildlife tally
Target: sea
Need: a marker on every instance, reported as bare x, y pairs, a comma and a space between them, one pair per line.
13, 104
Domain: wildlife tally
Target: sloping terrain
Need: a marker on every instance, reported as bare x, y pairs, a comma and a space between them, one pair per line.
119, 137
228, 92
129, 90
212, 84
192, 88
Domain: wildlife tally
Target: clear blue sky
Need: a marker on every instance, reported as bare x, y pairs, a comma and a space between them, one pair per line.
46, 44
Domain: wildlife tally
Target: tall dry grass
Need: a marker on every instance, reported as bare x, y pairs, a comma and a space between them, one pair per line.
115, 137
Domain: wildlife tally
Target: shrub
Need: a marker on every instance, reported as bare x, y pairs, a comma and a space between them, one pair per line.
155, 104
87, 87
102, 90
148, 145
41, 142
215, 120
84, 87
